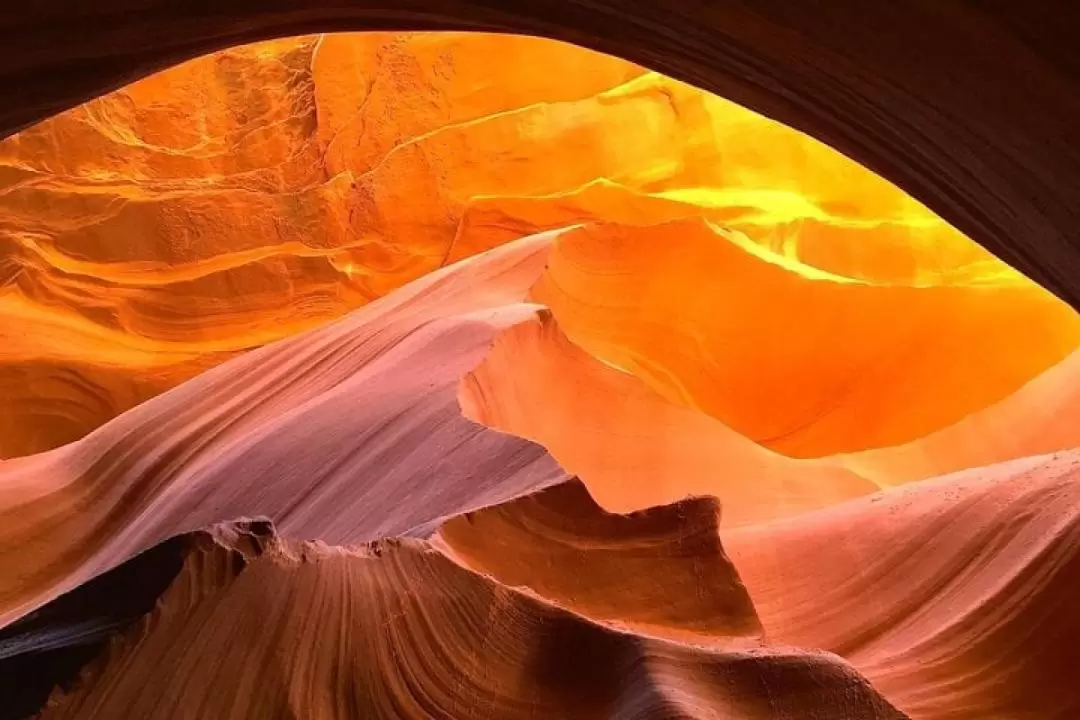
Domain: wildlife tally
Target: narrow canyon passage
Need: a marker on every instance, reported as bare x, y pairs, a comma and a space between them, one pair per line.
463, 375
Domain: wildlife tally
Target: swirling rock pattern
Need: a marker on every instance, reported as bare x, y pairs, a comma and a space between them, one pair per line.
353, 634
345, 434
561, 546
951, 595
572, 390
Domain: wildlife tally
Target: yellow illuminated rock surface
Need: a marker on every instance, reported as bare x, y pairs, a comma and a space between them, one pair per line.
797, 359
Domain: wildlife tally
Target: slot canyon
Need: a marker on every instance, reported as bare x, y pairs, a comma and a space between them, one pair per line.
712, 362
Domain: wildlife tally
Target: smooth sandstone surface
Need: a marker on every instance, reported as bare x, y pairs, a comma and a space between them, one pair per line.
799, 360
635, 449
345, 434
953, 596
641, 571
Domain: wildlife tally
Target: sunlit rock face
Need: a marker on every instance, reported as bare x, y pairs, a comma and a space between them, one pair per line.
541, 385
249, 195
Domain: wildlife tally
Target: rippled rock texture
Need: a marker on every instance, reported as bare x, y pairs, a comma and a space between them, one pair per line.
472, 376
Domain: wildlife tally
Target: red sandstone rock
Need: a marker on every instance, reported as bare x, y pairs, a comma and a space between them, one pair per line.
344, 434
952, 595
396, 630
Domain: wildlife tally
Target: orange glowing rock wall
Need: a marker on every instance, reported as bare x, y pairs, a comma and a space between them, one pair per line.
245, 196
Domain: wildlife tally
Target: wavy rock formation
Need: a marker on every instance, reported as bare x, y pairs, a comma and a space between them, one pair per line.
716, 323
353, 634
573, 390
760, 179
345, 434
953, 595
246, 196
643, 571
634, 448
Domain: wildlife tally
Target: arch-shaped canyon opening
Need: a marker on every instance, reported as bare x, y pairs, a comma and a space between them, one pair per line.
960, 448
